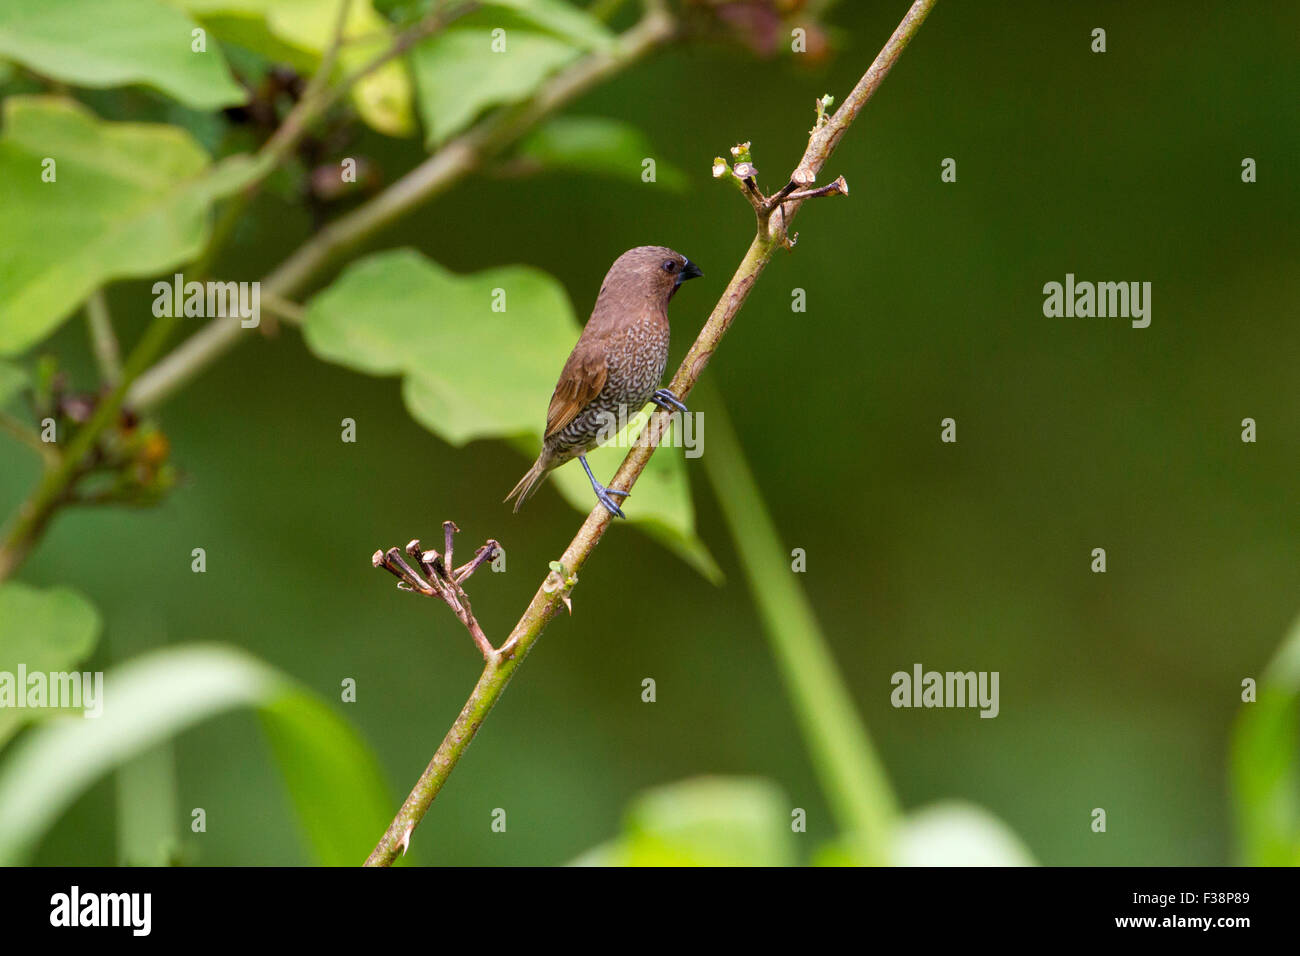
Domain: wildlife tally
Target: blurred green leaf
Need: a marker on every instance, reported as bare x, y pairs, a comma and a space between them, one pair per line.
954, 833
333, 777
458, 75
707, 821
1266, 763
469, 372
298, 32
129, 200
594, 144
13, 379
951, 833
561, 18
102, 43
51, 629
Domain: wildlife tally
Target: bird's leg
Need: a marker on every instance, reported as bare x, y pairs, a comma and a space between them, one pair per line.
666, 399
603, 493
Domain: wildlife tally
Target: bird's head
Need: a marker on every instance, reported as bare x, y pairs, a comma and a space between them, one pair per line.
653, 271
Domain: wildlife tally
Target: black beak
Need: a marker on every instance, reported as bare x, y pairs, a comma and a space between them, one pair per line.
689, 271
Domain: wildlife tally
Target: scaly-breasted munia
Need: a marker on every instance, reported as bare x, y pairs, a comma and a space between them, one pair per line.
616, 365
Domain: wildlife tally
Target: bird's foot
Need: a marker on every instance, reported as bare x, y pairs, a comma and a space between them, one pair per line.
603, 494
667, 400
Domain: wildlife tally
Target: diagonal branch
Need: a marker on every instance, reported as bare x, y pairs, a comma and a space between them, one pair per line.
554, 591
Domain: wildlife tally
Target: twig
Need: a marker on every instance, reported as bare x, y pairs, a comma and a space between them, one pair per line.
837, 188
102, 338
283, 307
486, 553
604, 9
745, 176
433, 579
315, 98
17, 430
54, 487
554, 591
318, 97
451, 163
438, 18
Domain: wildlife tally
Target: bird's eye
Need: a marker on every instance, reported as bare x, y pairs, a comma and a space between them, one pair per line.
670, 266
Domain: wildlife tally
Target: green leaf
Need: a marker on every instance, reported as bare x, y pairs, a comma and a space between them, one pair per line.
561, 18
951, 833
103, 43
458, 75
332, 775
318, 752
13, 379
470, 372
128, 200
594, 144
43, 630
298, 32
707, 821
1265, 763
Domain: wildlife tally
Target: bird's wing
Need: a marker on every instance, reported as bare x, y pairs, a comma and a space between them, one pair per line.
582, 379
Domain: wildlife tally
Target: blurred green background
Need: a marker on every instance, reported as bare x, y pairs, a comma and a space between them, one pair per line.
923, 301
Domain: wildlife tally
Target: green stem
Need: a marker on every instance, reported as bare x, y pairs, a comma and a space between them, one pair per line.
604, 10
18, 431
34, 513
852, 775
491, 685
102, 338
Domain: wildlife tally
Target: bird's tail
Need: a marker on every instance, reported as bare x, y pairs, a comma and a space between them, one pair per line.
528, 483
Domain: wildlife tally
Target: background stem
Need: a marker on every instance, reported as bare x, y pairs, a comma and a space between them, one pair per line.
34, 513
102, 338
851, 774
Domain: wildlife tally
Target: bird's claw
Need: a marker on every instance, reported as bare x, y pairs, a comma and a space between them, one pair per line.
603, 496
667, 400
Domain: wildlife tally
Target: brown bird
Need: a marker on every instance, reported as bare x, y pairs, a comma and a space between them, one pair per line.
615, 367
